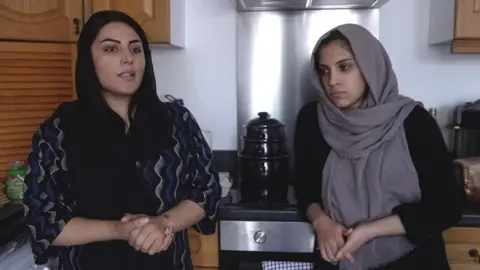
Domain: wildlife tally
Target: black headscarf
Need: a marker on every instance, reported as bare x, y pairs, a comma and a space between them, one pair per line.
105, 164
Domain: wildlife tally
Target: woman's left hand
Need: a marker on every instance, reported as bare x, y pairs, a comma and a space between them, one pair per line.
356, 238
153, 237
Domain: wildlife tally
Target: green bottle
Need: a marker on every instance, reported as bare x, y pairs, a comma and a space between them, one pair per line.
14, 183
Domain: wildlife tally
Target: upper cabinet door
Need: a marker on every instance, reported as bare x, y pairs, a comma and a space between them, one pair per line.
467, 23
162, 20
45, 20
455, 23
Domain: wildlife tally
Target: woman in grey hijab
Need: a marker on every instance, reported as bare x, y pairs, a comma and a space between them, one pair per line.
374, 176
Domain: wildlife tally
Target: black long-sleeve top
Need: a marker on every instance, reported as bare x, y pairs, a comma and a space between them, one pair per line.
183, 171
442, 199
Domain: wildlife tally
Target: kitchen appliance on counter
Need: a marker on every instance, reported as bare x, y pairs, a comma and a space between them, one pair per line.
263, 162
17, 255
255, 236
15, 250
466, 130
12, 222
468, 172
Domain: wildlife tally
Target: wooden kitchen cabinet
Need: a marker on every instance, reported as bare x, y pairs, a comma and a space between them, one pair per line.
36, 76
51, 21
34, 79
162, 20
456, 23
459, 242
203, 249
62, 20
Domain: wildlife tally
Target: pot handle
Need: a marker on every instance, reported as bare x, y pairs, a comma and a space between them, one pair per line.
263, 115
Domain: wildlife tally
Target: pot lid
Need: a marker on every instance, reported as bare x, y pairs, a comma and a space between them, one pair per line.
263, 120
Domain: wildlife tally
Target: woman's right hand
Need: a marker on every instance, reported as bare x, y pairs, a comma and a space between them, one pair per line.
124, 227
329, 237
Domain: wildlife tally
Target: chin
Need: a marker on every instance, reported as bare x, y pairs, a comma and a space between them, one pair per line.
125, 91
342, 104
345, 103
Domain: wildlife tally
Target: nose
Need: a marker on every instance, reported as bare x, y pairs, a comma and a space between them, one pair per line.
332, 78
127, 57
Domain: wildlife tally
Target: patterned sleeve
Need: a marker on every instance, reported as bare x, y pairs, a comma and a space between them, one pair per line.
47, 206
205, 188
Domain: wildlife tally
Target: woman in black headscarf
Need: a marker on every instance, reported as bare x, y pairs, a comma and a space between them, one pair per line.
116, 176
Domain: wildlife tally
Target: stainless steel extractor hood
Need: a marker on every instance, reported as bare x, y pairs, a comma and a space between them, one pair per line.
272, 5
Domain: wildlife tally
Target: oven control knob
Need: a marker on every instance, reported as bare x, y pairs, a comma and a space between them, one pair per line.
260, 237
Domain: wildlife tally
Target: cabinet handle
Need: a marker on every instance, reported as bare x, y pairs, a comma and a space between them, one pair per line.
76, 22
473, 253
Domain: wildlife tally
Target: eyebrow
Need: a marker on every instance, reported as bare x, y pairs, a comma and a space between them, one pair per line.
345, 60
118, 41
340, 61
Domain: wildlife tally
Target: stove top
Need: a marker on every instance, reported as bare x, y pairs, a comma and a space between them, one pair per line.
232, 208
234, 197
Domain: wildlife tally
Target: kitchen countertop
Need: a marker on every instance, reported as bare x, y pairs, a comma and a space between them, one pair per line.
228, 211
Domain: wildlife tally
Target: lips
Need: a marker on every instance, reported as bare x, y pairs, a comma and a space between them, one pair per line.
337, 94
127, 75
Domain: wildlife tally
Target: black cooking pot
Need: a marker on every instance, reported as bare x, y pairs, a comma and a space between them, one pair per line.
264, 164
263, 167
264, 179
264, 148
265, 128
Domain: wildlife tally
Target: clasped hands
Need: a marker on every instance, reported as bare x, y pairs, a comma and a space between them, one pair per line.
331, 239
145, 233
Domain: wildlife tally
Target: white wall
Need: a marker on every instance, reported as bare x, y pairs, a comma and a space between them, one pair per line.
430, 74
204, 74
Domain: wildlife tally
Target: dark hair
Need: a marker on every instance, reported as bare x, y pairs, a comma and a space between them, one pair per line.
335, 35
151, 125
87, 84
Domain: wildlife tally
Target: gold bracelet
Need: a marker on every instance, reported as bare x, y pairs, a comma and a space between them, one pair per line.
172, 225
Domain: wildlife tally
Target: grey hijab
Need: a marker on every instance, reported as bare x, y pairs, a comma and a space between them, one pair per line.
369, 170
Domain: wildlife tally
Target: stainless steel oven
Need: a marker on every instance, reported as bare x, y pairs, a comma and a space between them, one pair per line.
250, 234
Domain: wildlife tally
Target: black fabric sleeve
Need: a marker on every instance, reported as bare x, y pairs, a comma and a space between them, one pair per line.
310, 154
205, 189
48, 205
442, 198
